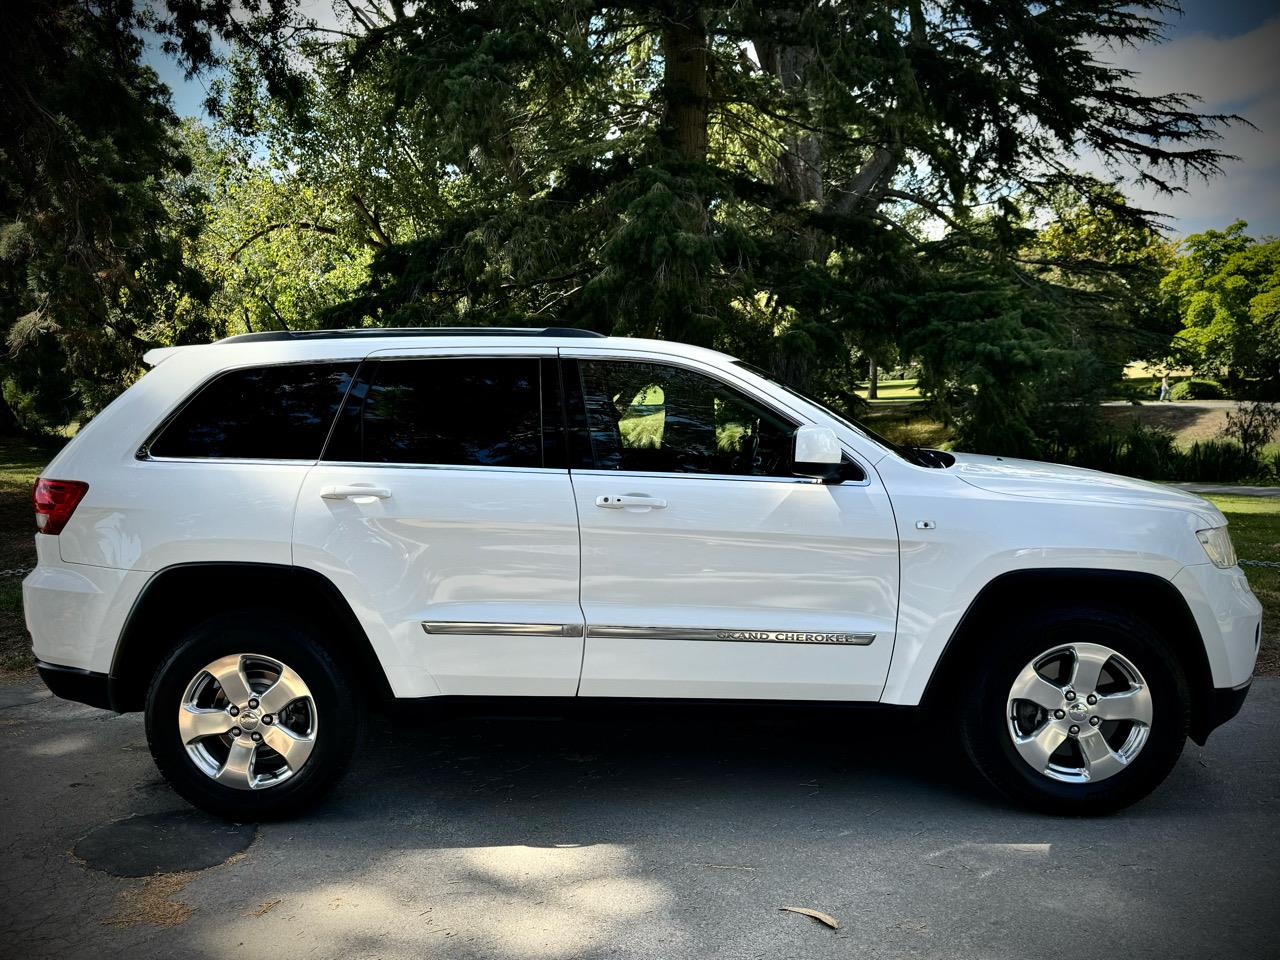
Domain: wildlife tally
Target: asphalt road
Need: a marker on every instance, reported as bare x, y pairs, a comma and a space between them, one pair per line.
631, 835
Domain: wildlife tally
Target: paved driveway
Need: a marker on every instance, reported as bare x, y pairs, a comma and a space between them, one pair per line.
638, 835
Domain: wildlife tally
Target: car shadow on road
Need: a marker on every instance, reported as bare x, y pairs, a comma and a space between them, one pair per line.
631, 768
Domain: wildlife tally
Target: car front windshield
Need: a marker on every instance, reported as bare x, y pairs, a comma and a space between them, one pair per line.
906, 453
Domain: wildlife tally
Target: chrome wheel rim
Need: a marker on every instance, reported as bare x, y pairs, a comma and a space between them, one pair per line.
1079, 713
248, 721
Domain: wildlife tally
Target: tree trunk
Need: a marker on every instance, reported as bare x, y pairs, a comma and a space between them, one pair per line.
685, 85
873, 381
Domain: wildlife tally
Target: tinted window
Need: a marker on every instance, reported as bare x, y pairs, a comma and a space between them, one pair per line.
655, 418
469, 412
264, 413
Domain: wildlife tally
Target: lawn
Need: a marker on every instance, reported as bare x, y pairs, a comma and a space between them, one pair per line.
20, 463
893, 390
1255, 528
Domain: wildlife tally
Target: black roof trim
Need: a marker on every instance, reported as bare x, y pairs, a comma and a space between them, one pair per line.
361, 333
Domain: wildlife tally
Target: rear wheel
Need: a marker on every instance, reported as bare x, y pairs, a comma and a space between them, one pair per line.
1080, 712
250, 719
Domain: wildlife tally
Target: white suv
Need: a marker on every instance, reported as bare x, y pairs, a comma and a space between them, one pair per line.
265, 535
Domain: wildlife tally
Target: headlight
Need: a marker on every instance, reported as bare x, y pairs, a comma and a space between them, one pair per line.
1217, 544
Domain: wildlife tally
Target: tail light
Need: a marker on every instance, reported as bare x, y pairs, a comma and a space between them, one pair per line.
55, 501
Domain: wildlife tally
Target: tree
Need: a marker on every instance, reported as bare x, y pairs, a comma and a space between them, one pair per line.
92, 237
1225, 288
276, 251
805, 184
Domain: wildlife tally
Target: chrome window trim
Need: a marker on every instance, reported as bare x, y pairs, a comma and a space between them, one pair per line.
261, 461
362, 464
729, 635
375, 464
452, 628
637, 474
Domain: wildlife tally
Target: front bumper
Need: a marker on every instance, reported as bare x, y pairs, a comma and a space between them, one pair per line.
1224, 703
1229, 619
72, 683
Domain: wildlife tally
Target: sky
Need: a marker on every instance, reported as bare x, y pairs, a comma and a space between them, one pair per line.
1225, 51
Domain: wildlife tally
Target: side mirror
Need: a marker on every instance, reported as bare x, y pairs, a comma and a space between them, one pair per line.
818, 455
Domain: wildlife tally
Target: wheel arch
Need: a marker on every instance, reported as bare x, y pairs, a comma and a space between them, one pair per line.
181, 595
1151, 597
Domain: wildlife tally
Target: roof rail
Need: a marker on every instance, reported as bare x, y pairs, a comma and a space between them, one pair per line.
359, 333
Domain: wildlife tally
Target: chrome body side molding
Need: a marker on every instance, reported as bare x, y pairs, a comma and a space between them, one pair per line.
485, 629
723, 634
615, 632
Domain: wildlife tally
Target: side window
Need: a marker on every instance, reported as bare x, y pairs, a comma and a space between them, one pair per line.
449, 411
260, 413
661, 419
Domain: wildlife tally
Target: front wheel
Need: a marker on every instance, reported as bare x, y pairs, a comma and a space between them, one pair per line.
250, 719
1079, 712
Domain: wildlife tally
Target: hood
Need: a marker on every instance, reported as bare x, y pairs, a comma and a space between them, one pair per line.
1056, 481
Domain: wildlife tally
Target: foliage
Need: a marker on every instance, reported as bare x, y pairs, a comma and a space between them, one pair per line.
1219, 461
1197, 388
810, 186
807, 185
1225, 288
273, 247
1253, 425
1153, 454
94, 226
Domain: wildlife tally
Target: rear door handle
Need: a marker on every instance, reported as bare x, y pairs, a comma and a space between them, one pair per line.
630, 500
354, 491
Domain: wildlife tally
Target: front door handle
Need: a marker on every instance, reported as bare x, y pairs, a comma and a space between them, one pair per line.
631, 500
354, 491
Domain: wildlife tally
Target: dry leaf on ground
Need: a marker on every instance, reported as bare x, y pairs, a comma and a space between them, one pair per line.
818, 915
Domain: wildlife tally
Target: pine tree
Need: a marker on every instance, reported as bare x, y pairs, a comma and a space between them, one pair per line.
798, 182
92, 259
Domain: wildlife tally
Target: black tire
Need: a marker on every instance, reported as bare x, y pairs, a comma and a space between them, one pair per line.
340, 712
985, 709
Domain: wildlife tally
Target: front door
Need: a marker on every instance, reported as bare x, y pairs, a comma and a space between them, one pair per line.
708, 569
442, 509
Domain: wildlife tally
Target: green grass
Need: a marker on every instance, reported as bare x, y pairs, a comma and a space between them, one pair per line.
1255, 530
894, 390
21, 461
908, 424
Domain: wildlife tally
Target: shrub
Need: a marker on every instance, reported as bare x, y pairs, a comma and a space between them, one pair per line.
1147, 452
1197, 389
1219, 461
1150, 452
1153, 454
1252, 425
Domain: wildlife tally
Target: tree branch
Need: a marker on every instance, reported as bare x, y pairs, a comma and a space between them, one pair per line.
271, 227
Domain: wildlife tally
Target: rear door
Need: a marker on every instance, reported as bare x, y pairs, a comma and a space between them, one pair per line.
443, 510
708, 568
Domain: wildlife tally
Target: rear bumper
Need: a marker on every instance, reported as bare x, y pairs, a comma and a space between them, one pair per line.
76, 612
73, 683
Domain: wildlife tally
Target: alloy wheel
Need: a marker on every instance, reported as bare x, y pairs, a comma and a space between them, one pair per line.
248, 721
1079, 713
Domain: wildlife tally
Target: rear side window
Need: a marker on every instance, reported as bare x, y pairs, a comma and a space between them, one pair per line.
448, 411
259, 413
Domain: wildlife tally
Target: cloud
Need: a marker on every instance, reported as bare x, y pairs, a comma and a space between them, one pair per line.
1236, 74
